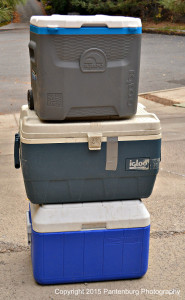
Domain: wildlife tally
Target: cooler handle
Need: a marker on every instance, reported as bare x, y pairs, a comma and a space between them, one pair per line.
28, 223
16, 151
32, 48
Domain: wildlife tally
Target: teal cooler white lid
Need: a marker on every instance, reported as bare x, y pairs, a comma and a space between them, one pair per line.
77, 21
89, 216
143, 126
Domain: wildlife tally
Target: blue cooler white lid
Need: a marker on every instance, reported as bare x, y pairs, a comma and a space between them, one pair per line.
78, 21
89, 216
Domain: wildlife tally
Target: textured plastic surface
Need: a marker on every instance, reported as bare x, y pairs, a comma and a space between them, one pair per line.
142, 126
76, 21
86, 72
90, 255
93, 215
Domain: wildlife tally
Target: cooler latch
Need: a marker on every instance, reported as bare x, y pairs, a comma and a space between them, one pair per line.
94, 141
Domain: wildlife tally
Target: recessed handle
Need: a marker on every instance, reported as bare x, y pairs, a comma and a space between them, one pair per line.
16, 151
32, 50
94, 226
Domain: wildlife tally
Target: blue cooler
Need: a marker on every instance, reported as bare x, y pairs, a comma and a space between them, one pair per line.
89, 161
88, 241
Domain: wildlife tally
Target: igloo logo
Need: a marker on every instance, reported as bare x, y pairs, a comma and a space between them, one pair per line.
139, 164
93, 60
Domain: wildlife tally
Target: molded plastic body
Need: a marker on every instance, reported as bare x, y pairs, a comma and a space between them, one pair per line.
89, 255
60, 173
92, 74
89, 161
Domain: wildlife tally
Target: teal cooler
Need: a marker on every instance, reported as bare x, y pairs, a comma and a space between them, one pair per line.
88, 241
89, 161
84, 66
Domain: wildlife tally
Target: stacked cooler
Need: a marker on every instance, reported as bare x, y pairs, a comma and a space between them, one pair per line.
88, 152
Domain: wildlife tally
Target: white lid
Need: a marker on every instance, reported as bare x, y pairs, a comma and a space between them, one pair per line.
89, 216
77, 21
142, 126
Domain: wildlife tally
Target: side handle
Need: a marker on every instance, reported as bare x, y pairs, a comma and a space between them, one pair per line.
32, 50
28, 223
16, 151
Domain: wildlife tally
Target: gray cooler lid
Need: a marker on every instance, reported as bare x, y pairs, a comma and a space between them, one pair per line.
143, 126
77, 21
89, 216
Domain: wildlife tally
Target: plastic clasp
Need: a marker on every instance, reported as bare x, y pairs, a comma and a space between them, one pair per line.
94, 141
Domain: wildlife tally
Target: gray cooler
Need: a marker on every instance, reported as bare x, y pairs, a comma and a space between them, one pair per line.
84, 66
88, 161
